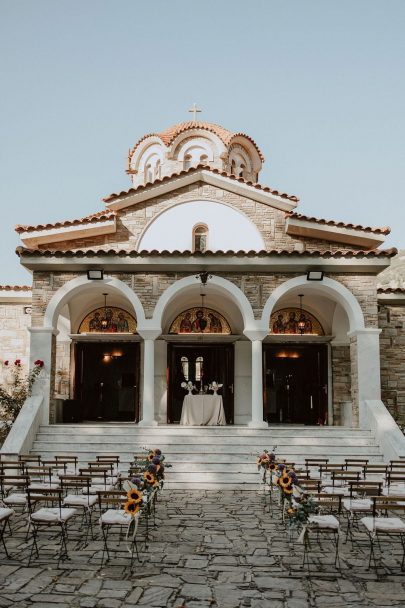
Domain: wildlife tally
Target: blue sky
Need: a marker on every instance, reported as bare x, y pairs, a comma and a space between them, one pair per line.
319, 85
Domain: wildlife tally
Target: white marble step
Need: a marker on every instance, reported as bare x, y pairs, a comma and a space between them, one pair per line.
207, 457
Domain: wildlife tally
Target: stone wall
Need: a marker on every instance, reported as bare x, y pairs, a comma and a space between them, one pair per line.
392, 353
14, 335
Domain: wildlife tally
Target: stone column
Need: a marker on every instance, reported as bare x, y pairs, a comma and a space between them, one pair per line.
148, 393
256, 337
365, 361
42, 346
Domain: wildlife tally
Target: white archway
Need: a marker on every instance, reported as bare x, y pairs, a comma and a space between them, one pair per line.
82, 284
328, 287
224, 285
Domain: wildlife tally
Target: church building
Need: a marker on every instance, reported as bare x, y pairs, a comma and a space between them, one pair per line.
198, 273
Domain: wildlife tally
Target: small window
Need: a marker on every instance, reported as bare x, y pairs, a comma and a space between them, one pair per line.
200, 238
204, 159
199, 362
184, 367
187, 161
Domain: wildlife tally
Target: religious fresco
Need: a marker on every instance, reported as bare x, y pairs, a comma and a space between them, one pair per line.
107, 321
200, 320
295, 321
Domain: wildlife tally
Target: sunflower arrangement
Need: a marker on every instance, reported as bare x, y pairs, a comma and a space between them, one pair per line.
301, 508
134, 503
267, 462
286, 479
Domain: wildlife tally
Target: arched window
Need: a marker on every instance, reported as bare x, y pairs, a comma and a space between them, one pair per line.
233, 167
156, 169
203, 159
184, 367
188, 161
199, 362
200, 238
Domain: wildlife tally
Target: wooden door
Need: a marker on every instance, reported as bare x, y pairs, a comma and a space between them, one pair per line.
201, 364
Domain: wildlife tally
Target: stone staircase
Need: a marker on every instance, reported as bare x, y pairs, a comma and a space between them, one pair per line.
206, 457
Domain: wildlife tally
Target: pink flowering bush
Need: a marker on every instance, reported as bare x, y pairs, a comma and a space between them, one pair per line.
14, 392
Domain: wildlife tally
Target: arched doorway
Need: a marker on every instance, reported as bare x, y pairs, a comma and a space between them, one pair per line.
202, 327
97, 349
307, 360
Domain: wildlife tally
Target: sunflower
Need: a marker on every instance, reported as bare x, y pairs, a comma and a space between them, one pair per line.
135, 495
285, 481
149, 478
151, 456
272, 466
291, 511
288, 489
132, 507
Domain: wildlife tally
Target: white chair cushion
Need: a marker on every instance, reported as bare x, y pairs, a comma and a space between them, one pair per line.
37, 485
115, 517
5, 513
396, 489
80, 500
357, 504
324, 521
15, 499
383, 524
336, 490
100, 488
53, 514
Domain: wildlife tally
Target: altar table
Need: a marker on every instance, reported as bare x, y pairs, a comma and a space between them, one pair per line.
199, 410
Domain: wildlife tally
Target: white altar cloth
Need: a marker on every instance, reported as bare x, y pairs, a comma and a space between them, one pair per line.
199, 410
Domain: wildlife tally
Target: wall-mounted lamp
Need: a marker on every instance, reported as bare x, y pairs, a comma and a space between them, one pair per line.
315, 275
95, 274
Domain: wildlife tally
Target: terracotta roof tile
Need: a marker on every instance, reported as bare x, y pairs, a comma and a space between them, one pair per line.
167, 178
391, 290
101, 216
169, 135
375, 253
15, 288
299, 216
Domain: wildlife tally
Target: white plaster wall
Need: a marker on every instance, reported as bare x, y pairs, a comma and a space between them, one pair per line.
160, 381
243, 382
340, 324
228, 228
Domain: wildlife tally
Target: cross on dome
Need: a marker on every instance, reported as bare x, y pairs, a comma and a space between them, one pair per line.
194, 109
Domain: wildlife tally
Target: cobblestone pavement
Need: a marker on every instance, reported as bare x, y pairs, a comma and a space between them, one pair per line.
209, 549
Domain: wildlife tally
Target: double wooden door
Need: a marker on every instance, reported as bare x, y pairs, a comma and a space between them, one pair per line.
200, 364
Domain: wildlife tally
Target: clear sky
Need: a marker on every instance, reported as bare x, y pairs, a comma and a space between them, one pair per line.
318, 84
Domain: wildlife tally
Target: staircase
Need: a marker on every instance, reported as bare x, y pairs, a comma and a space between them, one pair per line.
206, 457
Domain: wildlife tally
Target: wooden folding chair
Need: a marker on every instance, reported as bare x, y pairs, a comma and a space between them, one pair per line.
42, 477
323, 524
76, 492
379, 525
48, 517
100, 478
5, 514
13, 489
69, 460
34, 459
375, 472
116, 517
359, 502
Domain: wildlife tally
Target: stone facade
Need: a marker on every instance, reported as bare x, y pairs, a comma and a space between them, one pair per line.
341, 382
14, 324
392, 348
132, 222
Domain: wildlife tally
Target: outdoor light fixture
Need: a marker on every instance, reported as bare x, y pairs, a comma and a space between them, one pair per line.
95, 274
315, 275
203, 277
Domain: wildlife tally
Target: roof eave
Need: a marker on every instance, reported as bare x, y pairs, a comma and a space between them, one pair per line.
339, 234
68, 233
193, 263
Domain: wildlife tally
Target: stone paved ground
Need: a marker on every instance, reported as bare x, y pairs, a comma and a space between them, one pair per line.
210, 549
